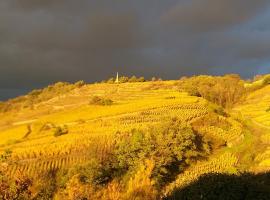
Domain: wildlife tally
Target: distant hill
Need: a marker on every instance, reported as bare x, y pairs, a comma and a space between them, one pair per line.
143, 139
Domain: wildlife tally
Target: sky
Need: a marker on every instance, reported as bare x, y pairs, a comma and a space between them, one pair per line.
42, 42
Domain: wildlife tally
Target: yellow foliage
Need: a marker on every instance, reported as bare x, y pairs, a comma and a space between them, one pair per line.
76, 190
113, 191
141, 187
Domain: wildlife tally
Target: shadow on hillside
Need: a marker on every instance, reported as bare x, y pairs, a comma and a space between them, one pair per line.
226, 187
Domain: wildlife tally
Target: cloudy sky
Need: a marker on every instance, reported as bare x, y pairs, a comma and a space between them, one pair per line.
44, 41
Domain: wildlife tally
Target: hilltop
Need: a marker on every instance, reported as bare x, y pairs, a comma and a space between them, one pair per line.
143, 139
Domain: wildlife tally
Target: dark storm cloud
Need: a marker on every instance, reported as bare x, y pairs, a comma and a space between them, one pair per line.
66, 40
212, 15
34, 4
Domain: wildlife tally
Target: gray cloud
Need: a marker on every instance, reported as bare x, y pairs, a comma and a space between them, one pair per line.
212, 15
66, 40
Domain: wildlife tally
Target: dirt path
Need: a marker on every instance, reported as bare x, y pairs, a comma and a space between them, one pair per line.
29, 131
24, 122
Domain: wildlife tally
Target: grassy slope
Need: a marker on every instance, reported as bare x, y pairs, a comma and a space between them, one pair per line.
255, 151
136, 105
251, 154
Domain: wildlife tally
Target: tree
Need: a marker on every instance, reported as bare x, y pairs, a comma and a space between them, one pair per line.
153, 79
79, 84
266, 80
123, 79
111, 80
170, 145
224, 91
133, 79
60, 131
101, 101
141, 79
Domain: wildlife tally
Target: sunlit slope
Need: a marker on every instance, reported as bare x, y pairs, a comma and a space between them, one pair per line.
29, 133
256, 109
256, 106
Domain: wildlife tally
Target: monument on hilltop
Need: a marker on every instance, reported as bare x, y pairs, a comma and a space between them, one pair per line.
117, 78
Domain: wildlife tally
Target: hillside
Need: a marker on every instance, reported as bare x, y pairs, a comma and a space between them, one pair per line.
152, 136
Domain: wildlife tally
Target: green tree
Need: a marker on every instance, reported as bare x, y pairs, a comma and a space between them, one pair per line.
123, 79
133, 79
111, 80
141, 79
170, 145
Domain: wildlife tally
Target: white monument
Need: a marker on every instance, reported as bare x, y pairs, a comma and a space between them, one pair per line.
117, 78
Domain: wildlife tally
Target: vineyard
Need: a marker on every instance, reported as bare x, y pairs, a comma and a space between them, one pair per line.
224, 163
134, 106
70, 130
257, 105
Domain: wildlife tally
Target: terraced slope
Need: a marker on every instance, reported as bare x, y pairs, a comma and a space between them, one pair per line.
29, 133
256, 109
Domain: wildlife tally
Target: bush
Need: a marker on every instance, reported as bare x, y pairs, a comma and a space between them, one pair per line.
123, 79
60, 131
15, 188
141, 79
170, 145
153, 79
76, 190
5, 155
132, 79
141, 186
101, 101
266, 80
222, 90
92, 172
111, 80
217, 109
79, 84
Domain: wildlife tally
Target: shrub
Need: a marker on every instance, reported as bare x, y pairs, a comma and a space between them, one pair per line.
222, 90
217, 109
266, 80
141, 186
93, 172
141, 79
113, 191
45, 186
79, 84
133, 79
60, 131
101, 101
170, 145
153, 79
17, 188
111, 80
123, 79
6, 155
76, 190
